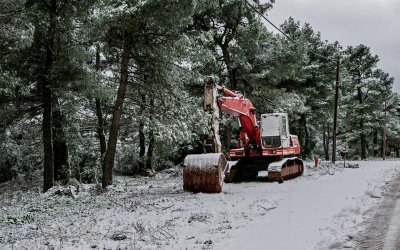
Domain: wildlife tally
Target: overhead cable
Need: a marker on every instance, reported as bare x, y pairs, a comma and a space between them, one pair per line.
281, 31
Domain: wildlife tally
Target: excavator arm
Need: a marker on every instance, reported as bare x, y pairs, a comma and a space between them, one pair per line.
205, 172
234, 104
237, 105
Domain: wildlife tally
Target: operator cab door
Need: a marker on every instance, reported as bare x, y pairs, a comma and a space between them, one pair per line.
275, 130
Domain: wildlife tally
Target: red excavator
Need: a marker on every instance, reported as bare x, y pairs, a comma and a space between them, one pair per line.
263, 145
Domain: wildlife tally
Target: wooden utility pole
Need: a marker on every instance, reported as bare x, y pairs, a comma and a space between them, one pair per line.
335, 109
384, 133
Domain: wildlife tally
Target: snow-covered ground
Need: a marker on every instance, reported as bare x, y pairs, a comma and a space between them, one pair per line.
318, 212
323, 209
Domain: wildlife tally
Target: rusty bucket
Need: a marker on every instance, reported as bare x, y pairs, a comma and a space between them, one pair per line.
204, 172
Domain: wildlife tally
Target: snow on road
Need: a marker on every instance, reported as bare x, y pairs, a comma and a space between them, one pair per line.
323, 209
392, 238
317, 213
382, 230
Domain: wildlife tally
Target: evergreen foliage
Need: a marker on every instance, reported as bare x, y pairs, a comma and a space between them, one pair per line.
94, 87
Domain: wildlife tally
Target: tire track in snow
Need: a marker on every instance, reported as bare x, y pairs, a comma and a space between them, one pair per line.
383, 231
393, 233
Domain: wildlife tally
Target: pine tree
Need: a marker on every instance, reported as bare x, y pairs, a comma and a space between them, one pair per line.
136, 30
360, 65
51, 64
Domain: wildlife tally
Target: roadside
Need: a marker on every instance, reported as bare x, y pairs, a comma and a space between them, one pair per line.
319, 213
382, 230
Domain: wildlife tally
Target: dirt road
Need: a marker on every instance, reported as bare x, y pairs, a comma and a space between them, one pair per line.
383, 229
322, 209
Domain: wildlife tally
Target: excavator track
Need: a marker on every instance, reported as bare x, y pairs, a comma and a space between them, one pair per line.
240, 171
284, 169
204, 172
231, 172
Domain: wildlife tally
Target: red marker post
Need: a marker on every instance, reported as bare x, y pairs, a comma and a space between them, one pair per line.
316, 160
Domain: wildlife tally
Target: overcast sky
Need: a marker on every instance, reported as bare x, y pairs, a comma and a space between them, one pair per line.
375, 23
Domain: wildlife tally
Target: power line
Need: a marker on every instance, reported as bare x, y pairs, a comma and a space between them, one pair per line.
282, 32
271, 23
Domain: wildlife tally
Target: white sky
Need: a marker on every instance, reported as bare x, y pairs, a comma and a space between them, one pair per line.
375, 23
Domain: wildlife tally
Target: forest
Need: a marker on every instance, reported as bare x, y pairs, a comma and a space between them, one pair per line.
90, 89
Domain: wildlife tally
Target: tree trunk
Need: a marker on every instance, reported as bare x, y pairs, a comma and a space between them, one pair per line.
304, 136
361, 123
60, 146
307, 137
142, 136
384, 137
48, 170
227, 138
150, 149
328, 142
375, 141
362, 141
99, 113
233, 83
382, 147
300, 135
108, 163
100, 128
326, 136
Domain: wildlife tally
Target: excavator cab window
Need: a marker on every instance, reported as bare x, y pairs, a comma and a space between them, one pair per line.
284, 128
271, 141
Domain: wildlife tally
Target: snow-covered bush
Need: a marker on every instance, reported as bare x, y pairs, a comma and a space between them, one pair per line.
21, 150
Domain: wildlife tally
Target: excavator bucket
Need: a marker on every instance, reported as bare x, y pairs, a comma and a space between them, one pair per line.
204, 172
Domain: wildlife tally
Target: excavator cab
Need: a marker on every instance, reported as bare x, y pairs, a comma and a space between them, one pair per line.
271, 141
274, 130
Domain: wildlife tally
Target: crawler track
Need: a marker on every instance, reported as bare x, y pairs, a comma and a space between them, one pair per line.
280, 170
285, 169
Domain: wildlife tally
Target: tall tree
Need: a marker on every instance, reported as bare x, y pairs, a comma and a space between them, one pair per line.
303, 66
99, 111
51, 62
108, 163
138, 28
360, 65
